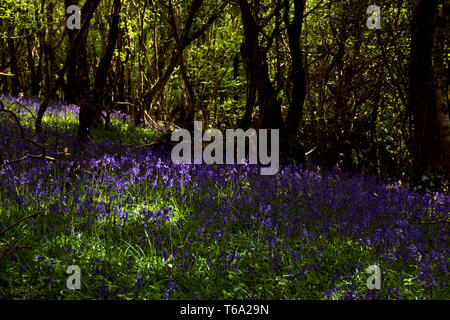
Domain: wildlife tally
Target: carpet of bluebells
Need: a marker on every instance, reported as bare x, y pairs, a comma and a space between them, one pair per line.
140, 227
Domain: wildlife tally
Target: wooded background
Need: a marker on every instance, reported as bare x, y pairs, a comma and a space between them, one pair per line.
373, 100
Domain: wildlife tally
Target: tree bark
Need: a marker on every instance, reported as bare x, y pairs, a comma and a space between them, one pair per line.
185, 40
14, 67
440, 81
34, 73
92, 109
70, 88
77, 45
250, 102
422, 98
269, 106
298, 74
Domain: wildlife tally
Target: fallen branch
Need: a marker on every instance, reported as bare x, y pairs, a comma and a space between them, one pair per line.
311, 151
320, 234
27, 109
22, 132
12, 249
447, 221
27, 155
19, 221
419, 222
43, 155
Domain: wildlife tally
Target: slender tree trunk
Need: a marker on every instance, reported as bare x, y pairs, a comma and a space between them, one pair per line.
156, 90
188, 121
186, 38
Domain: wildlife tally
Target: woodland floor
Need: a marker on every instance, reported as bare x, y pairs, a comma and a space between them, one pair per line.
141, 227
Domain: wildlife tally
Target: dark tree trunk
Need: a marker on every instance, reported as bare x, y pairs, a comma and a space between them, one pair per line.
188, 121
298, 74
70, 87
422, 97
290, 143
250, 102
270, 108
34, 72
266, 96
93, 108
15, 83
441, 87
77, 51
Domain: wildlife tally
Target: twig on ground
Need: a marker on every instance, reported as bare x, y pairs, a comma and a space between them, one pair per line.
446, 221
43, 155
19, 221
13, 248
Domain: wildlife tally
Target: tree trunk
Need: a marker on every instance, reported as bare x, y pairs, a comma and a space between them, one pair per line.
15, 83
440, 81
78, 46
92, 109
34, 73
247, 119
188, 121
290, 143
70, 88
269, 106
422, 97
298, 74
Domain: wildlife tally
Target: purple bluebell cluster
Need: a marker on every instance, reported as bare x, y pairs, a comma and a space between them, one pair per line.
305, 230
